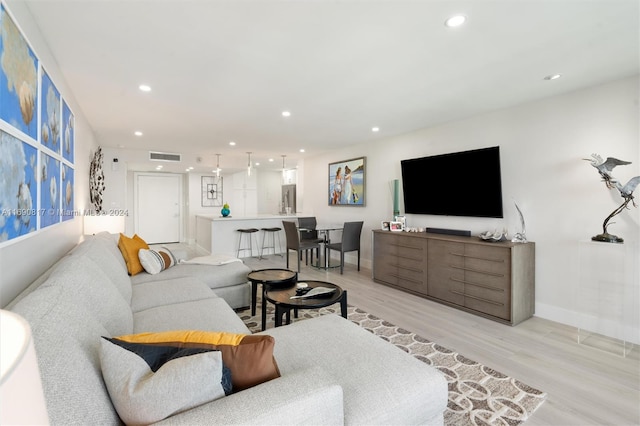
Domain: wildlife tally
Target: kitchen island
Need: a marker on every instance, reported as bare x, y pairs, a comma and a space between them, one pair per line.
217, 234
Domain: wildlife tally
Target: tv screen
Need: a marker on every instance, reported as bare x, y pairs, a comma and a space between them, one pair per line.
464, 183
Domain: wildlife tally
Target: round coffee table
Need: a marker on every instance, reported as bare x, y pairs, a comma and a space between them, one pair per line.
281, 298
269, 278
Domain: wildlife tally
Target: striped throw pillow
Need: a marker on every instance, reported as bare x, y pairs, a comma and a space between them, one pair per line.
156, 261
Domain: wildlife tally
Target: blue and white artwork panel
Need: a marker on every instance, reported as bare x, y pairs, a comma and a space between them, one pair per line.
50, 114
67, 192
49, 190
18, 187
18, 78
68, 132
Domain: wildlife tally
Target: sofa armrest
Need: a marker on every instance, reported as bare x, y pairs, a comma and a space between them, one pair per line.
304, 397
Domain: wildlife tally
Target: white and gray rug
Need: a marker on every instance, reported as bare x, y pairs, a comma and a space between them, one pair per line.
478, 395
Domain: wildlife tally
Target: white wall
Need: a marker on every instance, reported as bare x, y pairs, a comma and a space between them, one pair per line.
542, 144
24, 259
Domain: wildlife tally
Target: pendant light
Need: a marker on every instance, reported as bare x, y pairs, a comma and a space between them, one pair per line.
249, 165
284, 170
218, 166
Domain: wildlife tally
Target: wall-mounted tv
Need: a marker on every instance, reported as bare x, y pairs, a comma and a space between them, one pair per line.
464, 183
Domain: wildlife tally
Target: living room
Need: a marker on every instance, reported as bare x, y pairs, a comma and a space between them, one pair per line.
543, 143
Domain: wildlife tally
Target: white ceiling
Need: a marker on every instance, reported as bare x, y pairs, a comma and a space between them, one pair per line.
224, 71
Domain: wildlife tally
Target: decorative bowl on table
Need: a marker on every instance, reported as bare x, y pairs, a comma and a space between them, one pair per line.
493, 237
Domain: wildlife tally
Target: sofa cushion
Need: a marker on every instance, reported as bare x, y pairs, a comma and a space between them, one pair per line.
66, 337
159, 293
85, 284
195, 315
213, 276
103, 250
249, 357
156, 261
359, 361
129, 248
148, 383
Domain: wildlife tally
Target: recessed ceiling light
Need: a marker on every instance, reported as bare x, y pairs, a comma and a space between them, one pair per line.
137, 133
232, 143
271, 160
256, 163
455, 21
301, 149
144, 88
553, 76
286, 114
375, 129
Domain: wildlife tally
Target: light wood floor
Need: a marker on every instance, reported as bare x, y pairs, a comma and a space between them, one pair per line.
585, 385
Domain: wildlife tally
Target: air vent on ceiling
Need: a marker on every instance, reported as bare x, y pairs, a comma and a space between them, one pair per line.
164, 156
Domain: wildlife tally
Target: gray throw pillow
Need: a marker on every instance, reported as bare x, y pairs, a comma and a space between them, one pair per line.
142, 396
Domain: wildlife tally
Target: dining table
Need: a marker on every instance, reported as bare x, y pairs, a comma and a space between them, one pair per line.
325, 229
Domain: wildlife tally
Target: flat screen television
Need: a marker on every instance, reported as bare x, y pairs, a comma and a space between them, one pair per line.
464, 183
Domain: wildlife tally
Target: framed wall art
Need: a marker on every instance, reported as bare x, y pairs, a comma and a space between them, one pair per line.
347, 182
18, 78
211, 191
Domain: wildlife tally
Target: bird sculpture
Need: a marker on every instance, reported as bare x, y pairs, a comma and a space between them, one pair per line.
605, 169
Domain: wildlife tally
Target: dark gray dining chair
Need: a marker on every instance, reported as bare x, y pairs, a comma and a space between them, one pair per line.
308, 233
294, 243
350, 242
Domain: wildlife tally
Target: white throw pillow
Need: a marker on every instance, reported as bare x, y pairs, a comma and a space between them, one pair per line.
156, 261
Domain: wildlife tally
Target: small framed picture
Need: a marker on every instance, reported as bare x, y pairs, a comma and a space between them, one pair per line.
395, 226
385, 225
401, 219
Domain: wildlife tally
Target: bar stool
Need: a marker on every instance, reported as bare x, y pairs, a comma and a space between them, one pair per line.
274, 232
248, 232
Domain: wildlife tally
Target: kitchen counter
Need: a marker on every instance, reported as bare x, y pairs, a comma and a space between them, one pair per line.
218, 234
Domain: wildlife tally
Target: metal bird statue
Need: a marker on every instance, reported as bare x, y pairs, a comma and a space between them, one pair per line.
606, 167
626, 192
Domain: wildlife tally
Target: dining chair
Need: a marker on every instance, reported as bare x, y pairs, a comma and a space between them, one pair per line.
294, 243
308, 232
350, 242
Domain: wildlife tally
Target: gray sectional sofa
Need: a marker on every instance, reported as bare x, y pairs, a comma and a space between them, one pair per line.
332, 371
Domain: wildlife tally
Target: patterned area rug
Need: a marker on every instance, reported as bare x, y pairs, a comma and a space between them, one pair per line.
478, 395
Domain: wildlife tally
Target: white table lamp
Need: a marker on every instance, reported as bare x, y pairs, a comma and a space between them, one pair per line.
21, 397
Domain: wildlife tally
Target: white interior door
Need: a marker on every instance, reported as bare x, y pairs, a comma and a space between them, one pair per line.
158, 201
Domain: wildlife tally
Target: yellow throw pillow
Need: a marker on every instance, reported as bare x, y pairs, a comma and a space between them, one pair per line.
249, 357
129, 248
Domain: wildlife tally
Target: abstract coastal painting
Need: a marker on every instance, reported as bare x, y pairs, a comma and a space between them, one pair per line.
18, 78
50, 114
18, 162
49, 190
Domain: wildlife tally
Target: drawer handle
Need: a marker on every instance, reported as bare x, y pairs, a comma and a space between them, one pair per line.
405, 246
405, 278
476, 257
485, 258
406, 268
493, 274
477, 298
419, 259
488, 287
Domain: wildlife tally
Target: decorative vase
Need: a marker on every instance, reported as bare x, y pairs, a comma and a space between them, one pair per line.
225, 211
